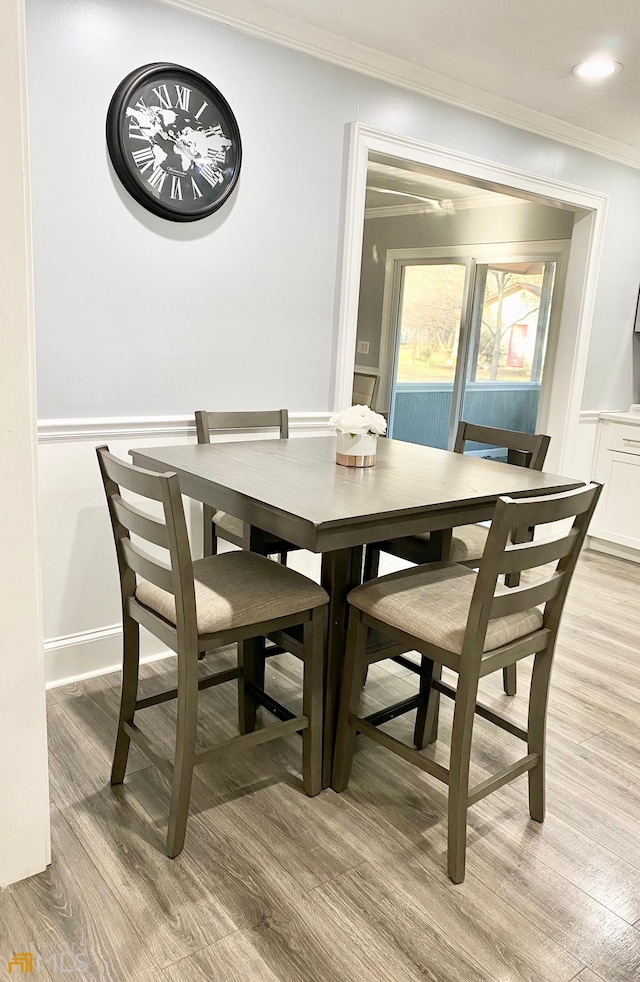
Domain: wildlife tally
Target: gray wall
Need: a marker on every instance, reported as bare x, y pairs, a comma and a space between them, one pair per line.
499, 223
136, 315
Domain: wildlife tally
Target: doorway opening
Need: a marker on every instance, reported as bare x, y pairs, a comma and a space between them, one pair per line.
554, 356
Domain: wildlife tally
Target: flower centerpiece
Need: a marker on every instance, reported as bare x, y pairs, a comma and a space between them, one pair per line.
358, 429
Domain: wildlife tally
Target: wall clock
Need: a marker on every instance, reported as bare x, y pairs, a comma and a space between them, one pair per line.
173, 141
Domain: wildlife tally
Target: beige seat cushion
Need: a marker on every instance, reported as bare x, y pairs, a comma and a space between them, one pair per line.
467, 542
227, 523
236, 589
432, 603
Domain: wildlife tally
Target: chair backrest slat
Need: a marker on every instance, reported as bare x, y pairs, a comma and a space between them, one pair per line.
147, 567
550, 508
208, 422
364, 389
553, 561
524, 449
146, 526
169, 532
530, 554
136, 479
519, 598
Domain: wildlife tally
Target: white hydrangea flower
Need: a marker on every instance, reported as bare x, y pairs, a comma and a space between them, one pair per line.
358, 420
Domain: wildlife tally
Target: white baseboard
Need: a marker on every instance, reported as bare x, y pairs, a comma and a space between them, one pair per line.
90, 653
613, 549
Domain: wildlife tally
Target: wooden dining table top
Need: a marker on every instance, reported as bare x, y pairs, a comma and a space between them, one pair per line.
295, 489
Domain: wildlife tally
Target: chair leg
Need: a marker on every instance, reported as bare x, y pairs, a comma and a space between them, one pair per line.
312, 700
185, 752
433, 709
536, 728
349, 700
129, 694
251, 659
461, 735
510, 672
510, 679
426, 694
371, 563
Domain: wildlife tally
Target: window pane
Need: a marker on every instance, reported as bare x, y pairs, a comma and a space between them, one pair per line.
430, 322
513, 329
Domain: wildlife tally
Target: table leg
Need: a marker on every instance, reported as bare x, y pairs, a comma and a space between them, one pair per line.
341, 572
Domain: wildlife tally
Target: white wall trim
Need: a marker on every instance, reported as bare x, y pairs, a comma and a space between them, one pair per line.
88, 654
250, 18
152, 427
612, 549
24, 815
563, 411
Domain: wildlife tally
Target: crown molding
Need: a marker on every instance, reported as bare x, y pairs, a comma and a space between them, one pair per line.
250, 18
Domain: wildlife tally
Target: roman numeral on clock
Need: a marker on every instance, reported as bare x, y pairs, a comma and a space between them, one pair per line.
211, 176
162, 93
143, 158
135, 133
183, 95
176, 188
201, 110
195, 190
157, 178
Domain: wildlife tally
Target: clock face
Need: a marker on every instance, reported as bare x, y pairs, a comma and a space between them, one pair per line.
173, 141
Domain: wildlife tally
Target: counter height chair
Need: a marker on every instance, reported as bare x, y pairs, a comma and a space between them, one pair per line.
219, 524
474, 625
195, 607
364, 389
468, 541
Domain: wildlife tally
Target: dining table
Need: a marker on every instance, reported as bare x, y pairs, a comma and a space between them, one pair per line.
294, 489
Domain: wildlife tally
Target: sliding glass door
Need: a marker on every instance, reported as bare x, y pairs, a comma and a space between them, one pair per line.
431, 303
508, 339
470, 340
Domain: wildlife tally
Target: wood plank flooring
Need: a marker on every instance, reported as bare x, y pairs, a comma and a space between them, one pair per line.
276, 887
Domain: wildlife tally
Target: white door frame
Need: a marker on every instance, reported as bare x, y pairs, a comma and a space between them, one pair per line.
563, 409
24, 815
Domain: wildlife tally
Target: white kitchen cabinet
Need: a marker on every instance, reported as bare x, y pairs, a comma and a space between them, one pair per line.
615, 526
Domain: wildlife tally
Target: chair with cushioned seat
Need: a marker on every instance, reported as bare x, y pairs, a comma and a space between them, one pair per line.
219, 524
468, 541
196, 607
470, 623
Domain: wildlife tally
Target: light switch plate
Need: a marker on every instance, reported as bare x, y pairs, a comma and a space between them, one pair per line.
362, 347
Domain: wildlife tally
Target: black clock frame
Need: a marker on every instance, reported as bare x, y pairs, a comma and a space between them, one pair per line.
117, 130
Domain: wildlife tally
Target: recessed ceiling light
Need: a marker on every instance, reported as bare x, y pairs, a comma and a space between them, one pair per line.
599, 67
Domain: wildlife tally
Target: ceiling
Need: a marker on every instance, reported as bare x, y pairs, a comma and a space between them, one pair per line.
511, 60
410, 189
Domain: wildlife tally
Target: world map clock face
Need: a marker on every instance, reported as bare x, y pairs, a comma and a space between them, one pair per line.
174, 142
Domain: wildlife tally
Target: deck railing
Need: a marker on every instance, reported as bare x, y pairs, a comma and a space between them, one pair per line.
421, 411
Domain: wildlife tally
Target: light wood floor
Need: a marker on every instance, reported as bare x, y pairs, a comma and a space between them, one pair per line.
275, 886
